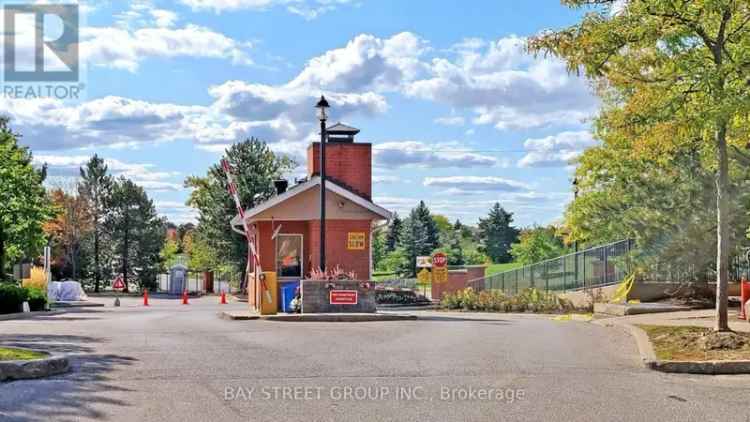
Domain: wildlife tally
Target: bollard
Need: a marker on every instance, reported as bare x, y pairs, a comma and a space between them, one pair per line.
145, 298
223, 298
184, 297
117, 301
744, 297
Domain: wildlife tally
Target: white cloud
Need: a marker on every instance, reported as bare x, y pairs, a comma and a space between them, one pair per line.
386, 179
419, 154
365, 63
461, 184
121, 48
557, 150
308, 9
451, 121
177, 212
505, 86
64, 167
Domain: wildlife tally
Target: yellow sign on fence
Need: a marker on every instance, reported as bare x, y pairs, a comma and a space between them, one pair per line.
439, 275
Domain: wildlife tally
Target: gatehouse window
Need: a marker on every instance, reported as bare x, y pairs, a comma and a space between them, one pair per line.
289, 255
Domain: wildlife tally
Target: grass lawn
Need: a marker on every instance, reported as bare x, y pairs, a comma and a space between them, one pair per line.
498, 268
17, 354
697, 343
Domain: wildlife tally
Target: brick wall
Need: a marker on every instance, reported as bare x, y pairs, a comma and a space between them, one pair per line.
336, 246
457, 280
347, 162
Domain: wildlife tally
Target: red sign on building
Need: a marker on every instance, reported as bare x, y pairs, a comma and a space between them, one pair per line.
439, 260
343, 297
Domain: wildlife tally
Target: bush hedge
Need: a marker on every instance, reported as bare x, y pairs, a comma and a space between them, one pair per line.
528, 300
12, 297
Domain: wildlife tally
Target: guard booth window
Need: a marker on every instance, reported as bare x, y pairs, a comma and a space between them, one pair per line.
289, 255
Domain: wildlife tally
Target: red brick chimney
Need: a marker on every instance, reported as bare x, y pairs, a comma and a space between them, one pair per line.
348, 163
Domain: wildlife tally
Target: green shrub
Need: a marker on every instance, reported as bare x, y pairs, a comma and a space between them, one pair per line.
528, 300
37, 299
12, 297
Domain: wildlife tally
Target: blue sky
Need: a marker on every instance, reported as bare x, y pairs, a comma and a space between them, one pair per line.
459, 114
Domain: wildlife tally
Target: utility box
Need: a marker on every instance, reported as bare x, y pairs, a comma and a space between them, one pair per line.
269, 298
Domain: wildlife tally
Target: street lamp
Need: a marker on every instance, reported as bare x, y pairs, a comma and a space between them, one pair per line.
322, 106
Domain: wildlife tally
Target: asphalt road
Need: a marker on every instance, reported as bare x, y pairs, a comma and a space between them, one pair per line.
171, 362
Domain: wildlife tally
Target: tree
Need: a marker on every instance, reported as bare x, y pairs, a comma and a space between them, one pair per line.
202, 256
255, 168
137, 233
378, 247
394, 233
95, 187
23, 201
69, 228
538, 244
679, 70
419, 236
496, 234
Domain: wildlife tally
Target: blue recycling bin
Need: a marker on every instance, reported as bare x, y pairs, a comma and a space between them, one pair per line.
288, 289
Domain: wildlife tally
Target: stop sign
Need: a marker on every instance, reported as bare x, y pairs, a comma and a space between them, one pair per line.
439, 260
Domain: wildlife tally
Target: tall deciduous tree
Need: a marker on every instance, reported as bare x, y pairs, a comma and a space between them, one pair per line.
69, 229
96, 186
680, 70
538, 244
497, 234
23, 201
255, 167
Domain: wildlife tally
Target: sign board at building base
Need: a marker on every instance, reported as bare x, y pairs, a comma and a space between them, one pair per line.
343, 297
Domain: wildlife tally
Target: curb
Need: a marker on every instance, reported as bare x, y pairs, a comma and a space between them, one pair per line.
247, 316
27, 315
29, 369
648, 357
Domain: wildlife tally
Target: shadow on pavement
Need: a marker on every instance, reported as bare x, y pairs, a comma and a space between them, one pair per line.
69, 397
464, 319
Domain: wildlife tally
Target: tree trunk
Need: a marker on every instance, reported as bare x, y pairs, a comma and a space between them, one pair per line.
97, 273
722, 229
126, 247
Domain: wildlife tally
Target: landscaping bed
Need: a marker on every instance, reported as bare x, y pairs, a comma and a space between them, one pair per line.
528, 300
697, 343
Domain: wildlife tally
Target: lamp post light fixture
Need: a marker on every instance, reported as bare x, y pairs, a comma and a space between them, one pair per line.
322, 107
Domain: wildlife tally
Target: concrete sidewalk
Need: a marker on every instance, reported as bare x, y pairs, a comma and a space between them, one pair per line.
699, 318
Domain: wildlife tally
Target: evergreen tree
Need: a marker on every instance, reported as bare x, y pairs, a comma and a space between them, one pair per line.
137, 233
419, 236
255, 168
394, 234
95, 187
497, 235
23, 202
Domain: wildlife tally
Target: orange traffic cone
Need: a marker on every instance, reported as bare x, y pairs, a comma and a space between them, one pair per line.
184, 297
145, 298
223, 298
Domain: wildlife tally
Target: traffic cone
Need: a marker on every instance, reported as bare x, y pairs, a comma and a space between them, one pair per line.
145, 298
184, 297
223, 298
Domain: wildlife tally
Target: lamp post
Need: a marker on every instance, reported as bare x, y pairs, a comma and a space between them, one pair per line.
322, 106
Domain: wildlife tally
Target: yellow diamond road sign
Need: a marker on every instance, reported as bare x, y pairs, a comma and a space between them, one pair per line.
423, 277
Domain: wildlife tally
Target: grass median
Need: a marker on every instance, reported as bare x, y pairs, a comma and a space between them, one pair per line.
19, 354
697, 343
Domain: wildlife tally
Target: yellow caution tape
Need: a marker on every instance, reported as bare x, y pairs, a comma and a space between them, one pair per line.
621, 294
